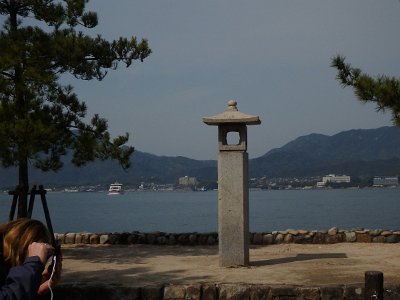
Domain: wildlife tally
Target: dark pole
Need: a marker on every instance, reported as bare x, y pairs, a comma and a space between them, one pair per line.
373, 285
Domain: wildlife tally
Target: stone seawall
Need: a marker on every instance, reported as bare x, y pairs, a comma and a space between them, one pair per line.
331, 236
216, 292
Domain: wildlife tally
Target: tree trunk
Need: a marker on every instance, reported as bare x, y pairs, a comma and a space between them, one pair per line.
23, 184
23, 189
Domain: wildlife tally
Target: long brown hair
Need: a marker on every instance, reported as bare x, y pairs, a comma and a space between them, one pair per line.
17, 236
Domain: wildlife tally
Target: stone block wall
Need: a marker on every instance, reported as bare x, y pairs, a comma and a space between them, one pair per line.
216, 292
331, 236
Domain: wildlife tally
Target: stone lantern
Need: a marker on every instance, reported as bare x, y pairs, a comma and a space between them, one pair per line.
233, 190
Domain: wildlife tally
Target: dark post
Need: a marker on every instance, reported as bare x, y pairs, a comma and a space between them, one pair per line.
373, 285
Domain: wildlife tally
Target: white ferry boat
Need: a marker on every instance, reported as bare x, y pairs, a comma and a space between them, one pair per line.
115, 189
71, 190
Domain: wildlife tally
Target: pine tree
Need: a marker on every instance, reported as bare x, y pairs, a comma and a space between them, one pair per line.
41, 119
383, 90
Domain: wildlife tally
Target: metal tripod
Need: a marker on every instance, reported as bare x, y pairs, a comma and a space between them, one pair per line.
42, 192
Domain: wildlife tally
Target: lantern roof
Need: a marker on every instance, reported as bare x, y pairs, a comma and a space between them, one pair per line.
232, 115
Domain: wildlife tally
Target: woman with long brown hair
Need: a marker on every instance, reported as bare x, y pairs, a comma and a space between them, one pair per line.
25, 250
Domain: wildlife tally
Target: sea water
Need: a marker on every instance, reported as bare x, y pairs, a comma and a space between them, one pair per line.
176, 212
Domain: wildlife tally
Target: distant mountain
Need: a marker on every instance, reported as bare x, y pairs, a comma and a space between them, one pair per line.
363, 152
145, 167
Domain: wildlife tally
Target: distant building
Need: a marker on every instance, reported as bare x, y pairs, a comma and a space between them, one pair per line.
332, 178
386, 181
321, 184
188, 181
336, 178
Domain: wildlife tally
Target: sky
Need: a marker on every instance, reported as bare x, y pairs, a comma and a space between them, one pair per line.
272, 57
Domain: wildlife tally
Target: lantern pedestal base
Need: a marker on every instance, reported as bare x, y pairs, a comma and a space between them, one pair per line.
233, 208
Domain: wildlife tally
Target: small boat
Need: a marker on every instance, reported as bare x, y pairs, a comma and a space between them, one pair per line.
71, 190
115, 189
202, 189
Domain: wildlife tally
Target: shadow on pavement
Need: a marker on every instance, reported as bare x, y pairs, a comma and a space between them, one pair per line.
298, 257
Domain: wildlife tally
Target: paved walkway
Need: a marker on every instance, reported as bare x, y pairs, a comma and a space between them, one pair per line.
292, 264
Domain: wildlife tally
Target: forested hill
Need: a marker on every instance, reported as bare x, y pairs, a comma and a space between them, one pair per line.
145, 168
363, 152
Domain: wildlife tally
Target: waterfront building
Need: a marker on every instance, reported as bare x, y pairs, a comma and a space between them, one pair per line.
332, 178
321, 184
386, 181
188, 181
336, 178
